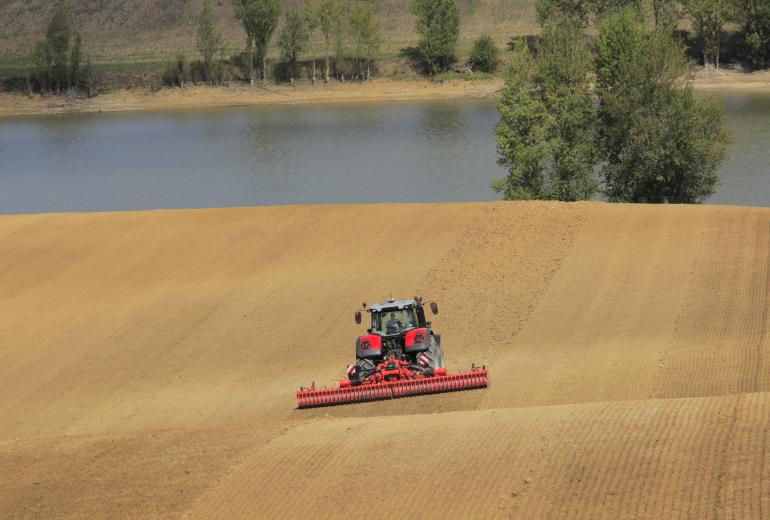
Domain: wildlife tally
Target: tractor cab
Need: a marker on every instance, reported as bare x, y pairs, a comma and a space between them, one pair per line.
393, 321
395, 317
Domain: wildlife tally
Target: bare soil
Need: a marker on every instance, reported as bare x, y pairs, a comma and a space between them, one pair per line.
148, 362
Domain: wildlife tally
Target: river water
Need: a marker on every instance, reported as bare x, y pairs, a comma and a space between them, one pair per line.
419, 151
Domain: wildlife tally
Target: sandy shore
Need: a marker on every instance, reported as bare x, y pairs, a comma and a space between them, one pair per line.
209, 97
729, 81
377, 91
148, 363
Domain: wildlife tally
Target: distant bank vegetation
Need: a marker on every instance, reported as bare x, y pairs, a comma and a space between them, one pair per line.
581, 116
612, 117
315, 40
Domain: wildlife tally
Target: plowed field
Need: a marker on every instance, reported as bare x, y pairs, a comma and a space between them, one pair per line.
148, 363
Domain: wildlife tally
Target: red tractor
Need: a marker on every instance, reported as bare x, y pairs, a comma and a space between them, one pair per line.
399, 356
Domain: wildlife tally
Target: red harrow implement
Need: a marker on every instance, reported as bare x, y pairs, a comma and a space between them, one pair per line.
392, 380
400, 356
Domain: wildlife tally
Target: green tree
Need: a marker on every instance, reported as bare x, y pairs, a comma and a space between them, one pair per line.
259, 19
366, 34
755, 16
76, 55
340, 42
438, 24
41, 60
546, 133
329, 20
56, 59
58, 38
484, 54
311, 22
209, 39
659, 143
292, 41
709, 18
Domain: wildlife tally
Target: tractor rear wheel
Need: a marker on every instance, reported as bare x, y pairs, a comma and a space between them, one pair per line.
436, 353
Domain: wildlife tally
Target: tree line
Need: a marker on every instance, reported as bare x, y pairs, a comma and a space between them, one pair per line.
742, 27
350, 38
58, 60
609, 117
349, 32
351, 35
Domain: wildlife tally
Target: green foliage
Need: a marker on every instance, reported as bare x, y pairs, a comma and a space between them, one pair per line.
709, 18
292, 41
311, 17
658, 142
555, 10
177, 73
582, 11
41, 61
367, 37
58, 57
311, 22
665, 14
58, 38
340, 42
484, 54
438, 24
209, 40
546, 133
649, 136
259, 19
91, 78
671, 153
76, 55
756, 32
331, 22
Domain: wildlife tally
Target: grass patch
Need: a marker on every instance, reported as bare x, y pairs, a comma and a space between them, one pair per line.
450, 75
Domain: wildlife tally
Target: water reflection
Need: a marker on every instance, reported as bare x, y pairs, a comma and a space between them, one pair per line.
745, 174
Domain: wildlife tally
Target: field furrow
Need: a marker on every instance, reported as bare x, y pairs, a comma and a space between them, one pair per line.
148, 362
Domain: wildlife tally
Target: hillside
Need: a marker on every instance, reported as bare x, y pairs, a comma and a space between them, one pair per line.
148, 362
135, 31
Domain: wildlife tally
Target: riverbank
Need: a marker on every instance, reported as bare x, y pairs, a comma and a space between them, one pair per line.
244, 95
730, 81
384, 90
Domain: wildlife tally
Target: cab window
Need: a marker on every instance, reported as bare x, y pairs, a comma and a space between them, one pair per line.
404, 319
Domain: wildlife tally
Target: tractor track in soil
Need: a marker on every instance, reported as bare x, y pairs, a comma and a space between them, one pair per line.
148, 362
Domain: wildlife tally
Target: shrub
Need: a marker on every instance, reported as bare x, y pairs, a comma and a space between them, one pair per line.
484, 55
177, 73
